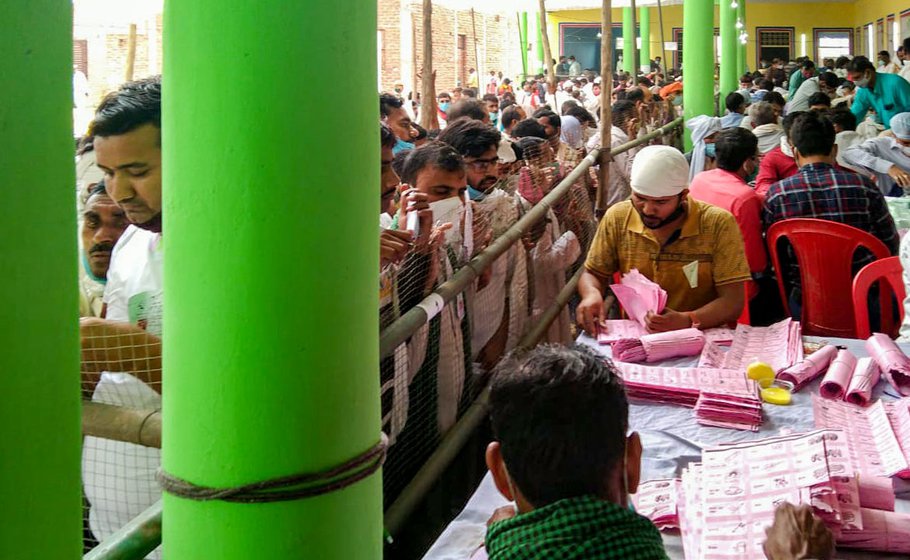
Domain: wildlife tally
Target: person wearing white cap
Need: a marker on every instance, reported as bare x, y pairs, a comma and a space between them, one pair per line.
693, 250
703, 128
885, 159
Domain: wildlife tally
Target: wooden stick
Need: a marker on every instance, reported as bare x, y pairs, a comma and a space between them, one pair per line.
428, 118
548, 55
606, 110
131, 53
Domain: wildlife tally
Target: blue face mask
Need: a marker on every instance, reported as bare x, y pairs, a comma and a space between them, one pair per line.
710, 151
494, 118
401, 146
444, 106
677, 100
476, 194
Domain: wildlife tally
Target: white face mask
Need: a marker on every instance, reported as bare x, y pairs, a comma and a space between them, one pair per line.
449, 210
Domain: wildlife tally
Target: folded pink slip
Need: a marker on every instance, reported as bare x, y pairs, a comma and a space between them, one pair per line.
638, 295
660, 346
611, 330
895, 365
836, 381
811, 367
865, 378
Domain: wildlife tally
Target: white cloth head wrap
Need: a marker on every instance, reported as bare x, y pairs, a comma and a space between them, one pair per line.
659, 171
571, 132
900, 125
701, 126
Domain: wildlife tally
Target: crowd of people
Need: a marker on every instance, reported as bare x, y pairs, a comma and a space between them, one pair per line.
828, 142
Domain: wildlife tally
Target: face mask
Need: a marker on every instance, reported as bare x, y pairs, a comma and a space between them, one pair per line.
677, 101
444, 106
401, 146
494, 117
862, 82
711, 151
449, 210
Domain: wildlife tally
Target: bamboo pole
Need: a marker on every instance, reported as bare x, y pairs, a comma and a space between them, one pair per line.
606, 107
134, 540
547, 53
39, 343
130, 53
663, 44
119, 423
428, 118
478, 68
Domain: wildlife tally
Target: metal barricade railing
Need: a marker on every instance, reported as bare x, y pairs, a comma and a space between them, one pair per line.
143, 427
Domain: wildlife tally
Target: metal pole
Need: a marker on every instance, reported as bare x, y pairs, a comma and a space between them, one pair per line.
729, 41
134, 540
698, 76
254, 387
606, 107
39, 345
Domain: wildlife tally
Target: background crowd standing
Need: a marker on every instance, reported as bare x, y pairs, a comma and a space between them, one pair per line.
799, 139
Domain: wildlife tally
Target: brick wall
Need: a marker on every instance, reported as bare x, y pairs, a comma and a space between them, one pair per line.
496, 41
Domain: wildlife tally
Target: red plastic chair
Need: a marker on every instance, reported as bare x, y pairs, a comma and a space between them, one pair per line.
824, 251
888, 273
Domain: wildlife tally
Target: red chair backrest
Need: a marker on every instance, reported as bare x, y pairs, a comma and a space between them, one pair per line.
889, 275
824, 251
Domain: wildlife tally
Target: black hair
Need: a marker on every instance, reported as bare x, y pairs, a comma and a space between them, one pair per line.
529, 127
509, 116
470, 137
388, 103
554, 119
885, 53
841, 61
506, 103
765, 84
746, 78
583, 115
787, 123
469, 92
734, 146
386, 136
566, 105
98, 188
635, 94
133, 105
490, 97
819, 98
830, 78
808, 65
443, 94
812, 134
560, 416
471, 108
860, 64
843, 118
435, 153
734, 101
907, 44
421, 131
398, 161
623, 110
774, 98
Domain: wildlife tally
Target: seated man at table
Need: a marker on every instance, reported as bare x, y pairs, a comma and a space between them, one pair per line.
693, 250
561, 452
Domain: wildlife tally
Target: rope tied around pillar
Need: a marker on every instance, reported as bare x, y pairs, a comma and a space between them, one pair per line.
285, 488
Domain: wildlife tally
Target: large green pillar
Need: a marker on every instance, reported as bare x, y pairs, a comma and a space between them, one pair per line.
698, 77
729, 47
39, 345
523, 37
628, 41
645, 29
271, 255
742, 47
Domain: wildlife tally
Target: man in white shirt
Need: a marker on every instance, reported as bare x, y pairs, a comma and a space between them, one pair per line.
905, 68
825, 83
885, 65
886, 159
121, 353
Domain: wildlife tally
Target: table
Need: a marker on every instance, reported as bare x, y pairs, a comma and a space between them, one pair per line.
671, 439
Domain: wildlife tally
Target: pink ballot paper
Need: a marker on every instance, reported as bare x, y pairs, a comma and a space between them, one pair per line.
811, 367
884, 531
836, 381
638, 295
656, 500
865, 378
611, 330
895, 365
659, 346
779, 345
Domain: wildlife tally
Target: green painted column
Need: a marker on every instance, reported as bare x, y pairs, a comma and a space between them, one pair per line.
271, 255
523, 32
741, 53
541, 64
39, 360
628, 41
729, 48
645, 29
698, 78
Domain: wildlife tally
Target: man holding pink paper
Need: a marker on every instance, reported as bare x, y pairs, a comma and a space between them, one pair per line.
692, 250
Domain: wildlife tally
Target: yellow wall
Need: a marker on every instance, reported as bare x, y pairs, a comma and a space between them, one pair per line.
870, 11
802, 16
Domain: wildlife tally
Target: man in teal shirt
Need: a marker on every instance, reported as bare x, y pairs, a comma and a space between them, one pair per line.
887, 94
805, 71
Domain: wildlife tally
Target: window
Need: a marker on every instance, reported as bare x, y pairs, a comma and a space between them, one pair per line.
904, 25
895, 31
870, 42
678, 39
879, 38
832, 43
80, 55
774, 42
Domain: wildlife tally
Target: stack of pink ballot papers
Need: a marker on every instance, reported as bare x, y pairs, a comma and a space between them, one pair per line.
850, 379
726, 501
779, 345
659, 346
721, 398
895, 365
638, 295
812, 366
611, 330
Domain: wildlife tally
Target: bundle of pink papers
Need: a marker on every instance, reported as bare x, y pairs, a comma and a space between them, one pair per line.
638, 295
659, 346
779, 345
895, 365
850, 378
721, 398
656, 500
811, 367
611, 330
